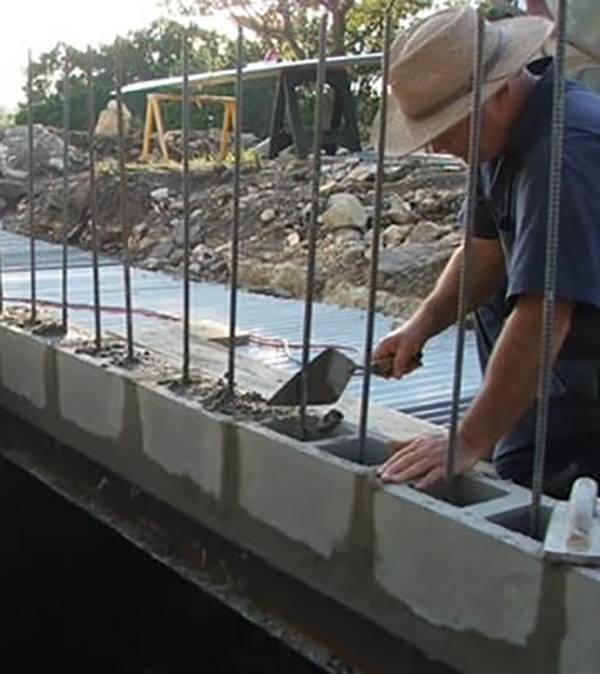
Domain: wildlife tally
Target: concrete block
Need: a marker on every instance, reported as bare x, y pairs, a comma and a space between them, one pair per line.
443, 563
580, 649
90, 396
376, 450
181, 438
22, 359
295, 489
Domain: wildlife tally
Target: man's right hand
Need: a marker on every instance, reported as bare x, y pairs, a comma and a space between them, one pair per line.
403, 347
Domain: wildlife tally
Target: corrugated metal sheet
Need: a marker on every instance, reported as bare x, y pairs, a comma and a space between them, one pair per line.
425, 393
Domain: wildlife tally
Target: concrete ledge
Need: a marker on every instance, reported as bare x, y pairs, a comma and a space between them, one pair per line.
460, 581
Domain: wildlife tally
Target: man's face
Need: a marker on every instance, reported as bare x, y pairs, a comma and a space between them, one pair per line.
455, 141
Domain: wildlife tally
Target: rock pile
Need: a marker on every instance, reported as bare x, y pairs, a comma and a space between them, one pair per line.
422, 196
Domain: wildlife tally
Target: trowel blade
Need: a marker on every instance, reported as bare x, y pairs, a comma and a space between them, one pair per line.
327, 375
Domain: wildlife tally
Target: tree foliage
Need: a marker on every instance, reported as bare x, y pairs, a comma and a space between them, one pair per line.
146, 54
355, 26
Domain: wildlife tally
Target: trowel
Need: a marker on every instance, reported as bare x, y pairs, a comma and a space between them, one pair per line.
327, 376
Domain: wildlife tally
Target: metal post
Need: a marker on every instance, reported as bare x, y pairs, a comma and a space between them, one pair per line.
312, 233
65, 194
235, 224
364, 409
123, 199
91, 114
547, 337
30, 185
465, 275
185, 125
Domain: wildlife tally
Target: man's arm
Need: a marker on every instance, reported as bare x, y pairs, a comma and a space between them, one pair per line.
510, 385
508, 390
440, 308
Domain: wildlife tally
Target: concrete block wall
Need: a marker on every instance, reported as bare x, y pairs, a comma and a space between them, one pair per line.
453, 579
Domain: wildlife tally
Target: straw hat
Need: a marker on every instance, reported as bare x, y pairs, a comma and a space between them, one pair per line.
431, 67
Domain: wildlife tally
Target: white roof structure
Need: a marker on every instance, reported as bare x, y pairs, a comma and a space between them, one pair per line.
258, 70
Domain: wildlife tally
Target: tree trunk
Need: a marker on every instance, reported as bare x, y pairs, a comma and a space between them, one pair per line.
338, 31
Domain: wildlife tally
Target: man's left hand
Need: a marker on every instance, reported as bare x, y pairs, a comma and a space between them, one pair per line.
422, 461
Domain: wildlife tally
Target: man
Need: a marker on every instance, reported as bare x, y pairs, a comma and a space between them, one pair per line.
430, 80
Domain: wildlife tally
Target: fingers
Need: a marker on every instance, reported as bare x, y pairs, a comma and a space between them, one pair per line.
409, 466
395, 447
420, 461
434, 476
403, 352
405, 363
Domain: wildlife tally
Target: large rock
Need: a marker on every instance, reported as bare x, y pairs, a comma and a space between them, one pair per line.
47, 153
413, 268
12, 191
424, 232
195, 233
400, 211
345, 210
108, 121
394, 235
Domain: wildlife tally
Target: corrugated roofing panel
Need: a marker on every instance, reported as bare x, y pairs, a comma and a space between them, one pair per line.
425, 393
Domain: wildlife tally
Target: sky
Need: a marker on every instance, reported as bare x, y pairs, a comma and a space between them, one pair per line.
40, 24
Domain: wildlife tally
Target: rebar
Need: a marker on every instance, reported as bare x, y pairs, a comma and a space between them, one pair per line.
376, 232
552, 229
30, 187
465, 272
185, 125
312, 230
235, 223
65, 192
123, 199
91, 115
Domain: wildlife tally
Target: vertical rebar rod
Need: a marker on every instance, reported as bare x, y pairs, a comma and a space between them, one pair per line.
380, 177
235, 223
185, 126
91, 121
313, 225
30, 186
465, 273
547, 336
65, 192
123, 199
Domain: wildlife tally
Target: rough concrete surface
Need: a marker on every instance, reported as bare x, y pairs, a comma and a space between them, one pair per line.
178, 438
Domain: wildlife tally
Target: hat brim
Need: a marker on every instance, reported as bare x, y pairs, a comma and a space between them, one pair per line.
522, 38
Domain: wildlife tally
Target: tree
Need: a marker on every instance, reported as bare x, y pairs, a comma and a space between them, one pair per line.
147, 53
292, 27
6, 118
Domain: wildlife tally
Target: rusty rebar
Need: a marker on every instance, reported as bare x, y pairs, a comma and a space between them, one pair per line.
465, 272
65, 192
30, 187
313, 225
91, 121
185, 126
124, 217
552, 229
235, 223
376, 232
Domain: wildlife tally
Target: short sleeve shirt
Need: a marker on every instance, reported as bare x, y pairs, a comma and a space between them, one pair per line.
513, 207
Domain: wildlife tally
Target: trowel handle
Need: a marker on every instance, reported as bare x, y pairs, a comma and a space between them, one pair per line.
384, 368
